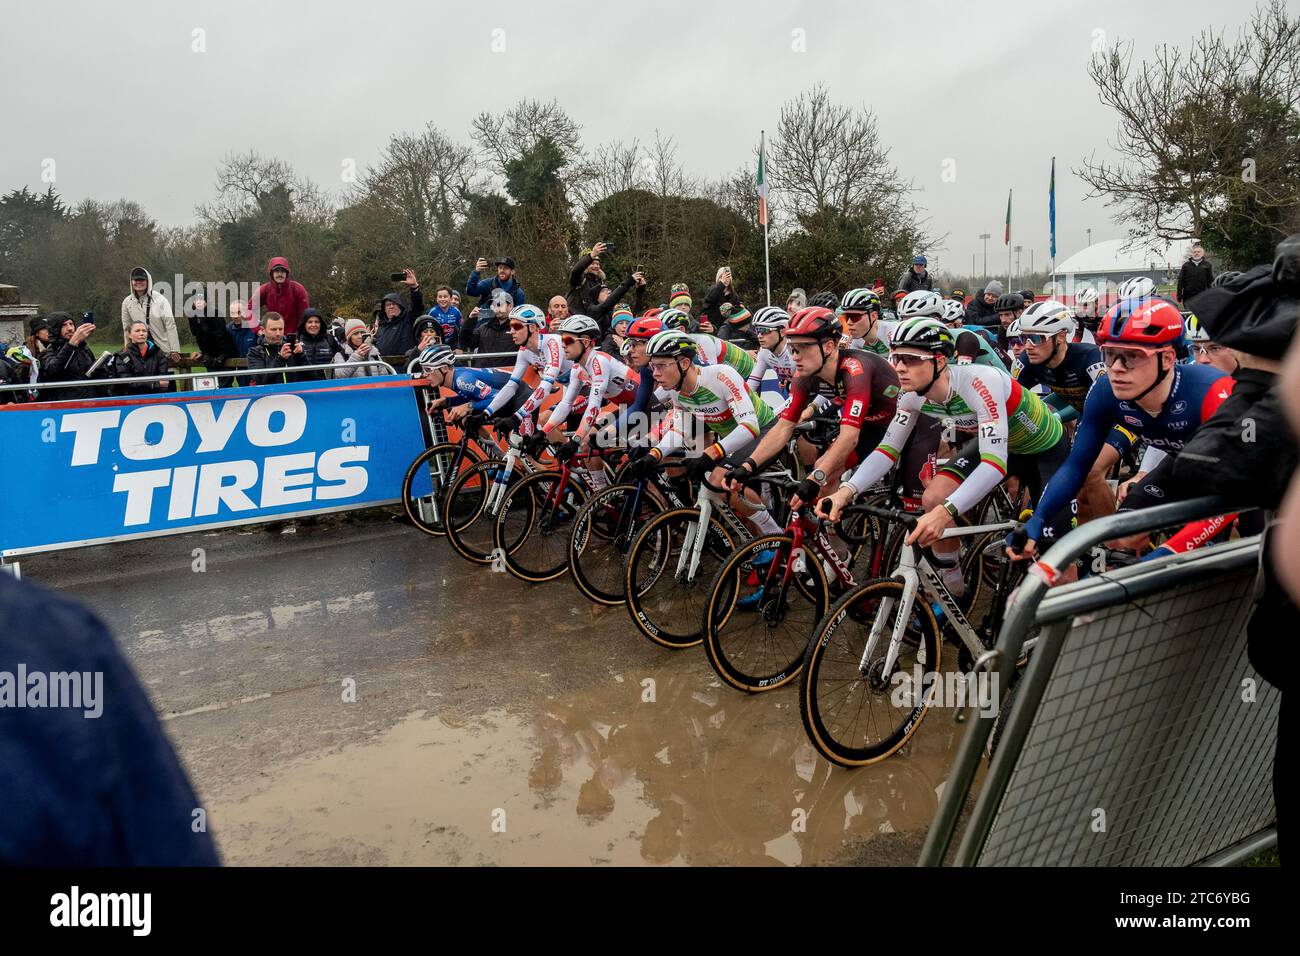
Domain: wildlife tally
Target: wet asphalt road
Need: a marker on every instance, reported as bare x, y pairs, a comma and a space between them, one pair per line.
493, 722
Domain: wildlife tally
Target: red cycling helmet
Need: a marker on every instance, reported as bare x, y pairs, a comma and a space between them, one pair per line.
651, 313
644, 328
1150, 322
814, 322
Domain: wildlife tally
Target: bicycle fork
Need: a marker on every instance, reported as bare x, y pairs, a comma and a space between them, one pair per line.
688, 561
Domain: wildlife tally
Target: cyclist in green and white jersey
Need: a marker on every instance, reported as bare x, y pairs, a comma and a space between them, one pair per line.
1012, 432
863, 327
710, 350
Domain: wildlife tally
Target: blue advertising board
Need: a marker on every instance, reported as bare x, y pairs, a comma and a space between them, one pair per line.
118, 468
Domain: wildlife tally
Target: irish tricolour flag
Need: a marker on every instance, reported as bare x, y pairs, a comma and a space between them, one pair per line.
761, 180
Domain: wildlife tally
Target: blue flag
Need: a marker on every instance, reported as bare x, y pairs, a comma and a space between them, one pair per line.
1051, 207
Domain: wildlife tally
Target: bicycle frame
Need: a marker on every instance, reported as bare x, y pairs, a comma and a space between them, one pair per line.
708, 500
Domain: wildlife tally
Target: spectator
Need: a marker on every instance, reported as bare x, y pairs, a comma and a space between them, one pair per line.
315, 345
216, 345
721, 293
493, 333
83, 791
154, 310
38, 337
679, 297
878, 287
273, 351
358, 346
483, 288
17, 368
447, 316
958, 295
916, 277
428, 331
1029, 296
585, 282
281, 295
68, 358
608, 300
798, 300
240, 329
1195, 276
395, 328
981, 310
557, 311
141, 357
620, 320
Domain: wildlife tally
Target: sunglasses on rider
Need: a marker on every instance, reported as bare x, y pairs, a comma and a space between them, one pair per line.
1210, 349
518, 326
1020, 341
1128, 358
909, 359
568, 339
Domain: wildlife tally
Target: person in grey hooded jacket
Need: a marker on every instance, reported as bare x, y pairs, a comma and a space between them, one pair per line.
152, 308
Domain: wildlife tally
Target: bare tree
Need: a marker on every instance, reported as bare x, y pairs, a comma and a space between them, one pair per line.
247, 182
616, 167
522, 127
826, 158
1208, 138
425, 178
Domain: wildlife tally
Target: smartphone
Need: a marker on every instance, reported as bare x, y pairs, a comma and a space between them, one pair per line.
397, 276
292, 339
88, 317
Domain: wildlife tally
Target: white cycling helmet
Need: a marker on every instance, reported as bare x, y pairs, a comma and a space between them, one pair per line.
1045, 318
771, 318
1139, 287
920, 304
1085, 297
580, 325
953, 311
529, 315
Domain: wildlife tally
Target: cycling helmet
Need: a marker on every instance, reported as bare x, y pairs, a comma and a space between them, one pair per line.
1152, 322
814, 322
580, 325
1139, 287
825, 300
1085, 297
1045, 318
860, 300
771, 318
676, 319
953, 311
1225, 278
920, 304
672, 343
923, 333
529, 315
1009, 302
644, 328
437, 356
1029, 296
625, 349
1195, 329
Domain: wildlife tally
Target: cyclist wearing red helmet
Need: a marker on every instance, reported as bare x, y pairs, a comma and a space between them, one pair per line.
1146, 391
863, 384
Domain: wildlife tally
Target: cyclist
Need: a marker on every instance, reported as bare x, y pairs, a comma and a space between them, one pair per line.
1085, 314
1013, 433
974, 344
863, 327
1207, 352
606, 379
1008, 306
539, 350
473, 388
774, 353
711, 398
710, 350
861, 383
1146, 390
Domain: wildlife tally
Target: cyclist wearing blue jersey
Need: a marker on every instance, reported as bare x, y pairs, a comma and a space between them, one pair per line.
1145, 390
473, 389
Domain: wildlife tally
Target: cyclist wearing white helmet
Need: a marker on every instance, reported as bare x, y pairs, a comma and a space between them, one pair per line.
773, 353
1138, 287
473, 389
606, 379
1086, 303
538, 350
863, 326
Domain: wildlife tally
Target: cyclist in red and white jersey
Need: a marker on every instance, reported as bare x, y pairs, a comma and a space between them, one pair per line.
605, 378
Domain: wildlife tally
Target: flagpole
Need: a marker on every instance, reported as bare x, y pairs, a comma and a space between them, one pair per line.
767, 257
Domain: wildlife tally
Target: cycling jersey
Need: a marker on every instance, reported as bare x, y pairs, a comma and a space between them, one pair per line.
866, 389
1006, 418
1071, 379
551, 363
711, 350
478, 386
783, 365
884, 332
725, 405
607, 379
1194, 395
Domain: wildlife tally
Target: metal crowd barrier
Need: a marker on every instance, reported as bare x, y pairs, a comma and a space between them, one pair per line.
1138, 734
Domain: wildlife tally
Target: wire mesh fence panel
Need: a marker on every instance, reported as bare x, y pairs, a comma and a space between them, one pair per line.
1153, 744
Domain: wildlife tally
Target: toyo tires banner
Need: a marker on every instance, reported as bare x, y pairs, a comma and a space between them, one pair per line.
144, 466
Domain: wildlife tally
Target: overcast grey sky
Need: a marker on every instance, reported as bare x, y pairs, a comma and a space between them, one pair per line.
114, 94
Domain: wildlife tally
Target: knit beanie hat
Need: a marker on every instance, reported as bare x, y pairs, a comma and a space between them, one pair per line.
679, 297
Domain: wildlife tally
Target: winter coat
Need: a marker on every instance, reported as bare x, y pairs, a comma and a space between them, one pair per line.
64, 362
909, 281
1194, 278
347, 364
263, 356
289, 299
156, 312
483, 288
396, 336
132, 363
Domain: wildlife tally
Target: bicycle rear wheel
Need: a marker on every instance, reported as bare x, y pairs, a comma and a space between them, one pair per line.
532, 528
470, 531
665, 605
602, 536
854, 713
427, 479
756, 628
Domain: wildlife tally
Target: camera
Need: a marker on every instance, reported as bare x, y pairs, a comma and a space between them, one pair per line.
397, 276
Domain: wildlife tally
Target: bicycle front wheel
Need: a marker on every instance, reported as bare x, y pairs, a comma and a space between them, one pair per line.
665, 600
855, 713
427, 479
532, 528
602, 537
756, 624
470, 531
